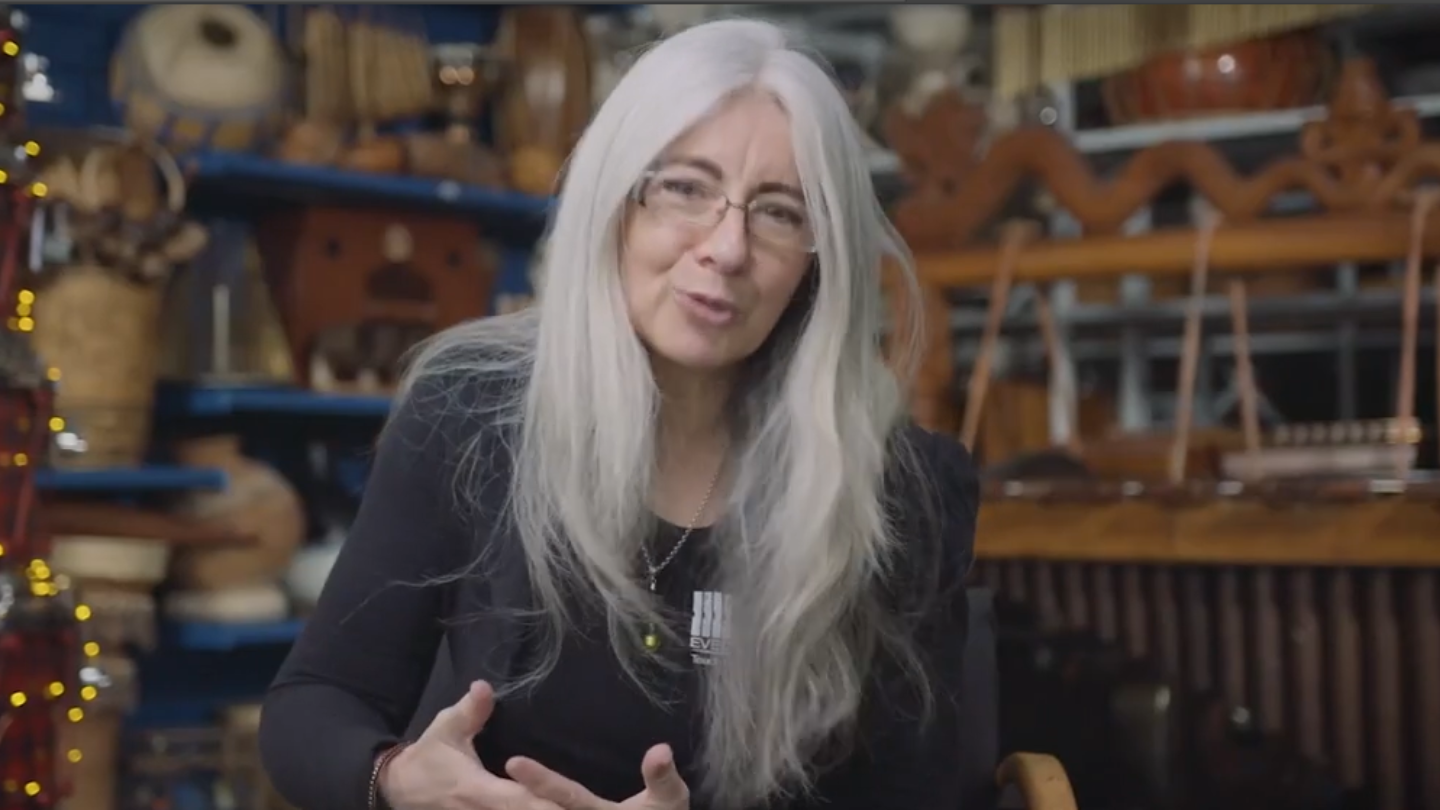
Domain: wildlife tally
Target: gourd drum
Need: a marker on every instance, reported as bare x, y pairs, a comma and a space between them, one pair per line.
196, 76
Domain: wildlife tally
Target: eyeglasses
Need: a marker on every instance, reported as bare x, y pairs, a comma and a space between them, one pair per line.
687, 196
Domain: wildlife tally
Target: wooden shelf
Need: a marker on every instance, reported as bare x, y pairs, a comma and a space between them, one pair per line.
1296, 244
1379, 533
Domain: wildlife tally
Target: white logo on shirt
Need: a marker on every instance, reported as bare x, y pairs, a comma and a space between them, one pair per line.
709, 626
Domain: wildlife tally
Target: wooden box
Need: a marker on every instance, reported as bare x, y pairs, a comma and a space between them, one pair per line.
356, 288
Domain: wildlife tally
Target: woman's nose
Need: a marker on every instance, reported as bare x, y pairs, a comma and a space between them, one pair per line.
727, 246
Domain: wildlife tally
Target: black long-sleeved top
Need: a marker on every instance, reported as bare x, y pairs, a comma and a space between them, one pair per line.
353, 683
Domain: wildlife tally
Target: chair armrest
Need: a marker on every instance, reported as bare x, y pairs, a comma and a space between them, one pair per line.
1040, 779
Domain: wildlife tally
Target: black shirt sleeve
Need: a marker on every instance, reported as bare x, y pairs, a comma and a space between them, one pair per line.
352, 680
914, 759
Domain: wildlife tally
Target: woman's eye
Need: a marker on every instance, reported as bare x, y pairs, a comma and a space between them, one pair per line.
781, 215
683, 188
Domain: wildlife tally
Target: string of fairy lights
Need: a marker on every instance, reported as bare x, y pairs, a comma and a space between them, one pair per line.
70, 684
46, 583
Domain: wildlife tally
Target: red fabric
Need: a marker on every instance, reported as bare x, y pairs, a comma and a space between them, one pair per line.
39, 639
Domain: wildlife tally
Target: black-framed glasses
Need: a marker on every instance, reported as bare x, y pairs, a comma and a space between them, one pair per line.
689, 196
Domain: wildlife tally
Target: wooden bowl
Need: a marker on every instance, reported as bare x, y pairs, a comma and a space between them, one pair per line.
1273, 73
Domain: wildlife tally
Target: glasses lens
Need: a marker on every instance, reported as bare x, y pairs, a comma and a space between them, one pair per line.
682, 193
687, 195
782, 222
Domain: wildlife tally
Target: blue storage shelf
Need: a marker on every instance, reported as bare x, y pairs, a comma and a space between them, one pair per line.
318, 184
136, 479
227, 400
217, 637
171, 695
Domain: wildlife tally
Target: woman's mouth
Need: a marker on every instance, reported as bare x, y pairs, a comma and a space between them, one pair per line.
706, 309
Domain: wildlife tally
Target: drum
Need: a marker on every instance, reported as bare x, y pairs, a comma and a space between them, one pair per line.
193, 77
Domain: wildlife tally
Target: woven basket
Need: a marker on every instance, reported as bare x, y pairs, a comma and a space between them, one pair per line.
102, 333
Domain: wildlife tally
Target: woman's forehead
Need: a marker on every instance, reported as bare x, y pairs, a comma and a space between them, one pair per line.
748, 137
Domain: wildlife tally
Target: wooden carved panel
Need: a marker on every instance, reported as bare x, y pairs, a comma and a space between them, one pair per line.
1366, 156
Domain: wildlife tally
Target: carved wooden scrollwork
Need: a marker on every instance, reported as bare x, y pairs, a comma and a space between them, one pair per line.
1362, 164
937, 152
1366, 156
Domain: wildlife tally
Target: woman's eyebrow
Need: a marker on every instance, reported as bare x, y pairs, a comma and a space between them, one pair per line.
701, 164
780, 188
713, 169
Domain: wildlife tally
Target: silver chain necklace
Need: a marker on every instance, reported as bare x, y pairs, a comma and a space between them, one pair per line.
653, 569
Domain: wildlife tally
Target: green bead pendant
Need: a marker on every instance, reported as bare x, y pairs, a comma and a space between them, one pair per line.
651, 641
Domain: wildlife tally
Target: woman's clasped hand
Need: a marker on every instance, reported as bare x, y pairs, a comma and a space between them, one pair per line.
441, 771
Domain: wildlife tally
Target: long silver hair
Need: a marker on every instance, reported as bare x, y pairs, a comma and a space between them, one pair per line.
805, 534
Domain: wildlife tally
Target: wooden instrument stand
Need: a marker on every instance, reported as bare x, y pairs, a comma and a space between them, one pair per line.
1312, 604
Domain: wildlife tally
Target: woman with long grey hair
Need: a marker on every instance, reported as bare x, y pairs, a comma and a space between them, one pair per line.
680, 541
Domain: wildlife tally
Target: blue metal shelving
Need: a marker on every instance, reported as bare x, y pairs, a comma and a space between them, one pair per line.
230, 400
77, 41
286, 181
218, 637
121, 480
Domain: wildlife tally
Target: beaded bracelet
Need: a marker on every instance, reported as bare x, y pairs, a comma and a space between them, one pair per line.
375, 799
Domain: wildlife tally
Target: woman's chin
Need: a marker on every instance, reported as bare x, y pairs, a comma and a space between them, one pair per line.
698, 352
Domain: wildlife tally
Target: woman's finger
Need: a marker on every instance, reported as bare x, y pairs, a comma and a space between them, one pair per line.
662, 780
549, 785
457, 725
489, 791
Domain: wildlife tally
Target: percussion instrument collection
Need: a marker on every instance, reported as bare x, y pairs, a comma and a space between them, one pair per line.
1245, 612
1289, 575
